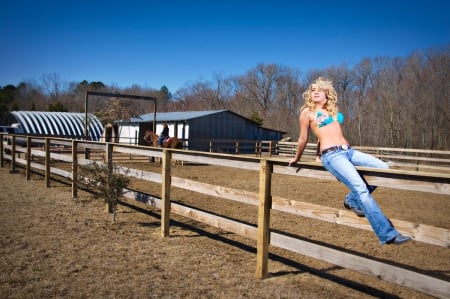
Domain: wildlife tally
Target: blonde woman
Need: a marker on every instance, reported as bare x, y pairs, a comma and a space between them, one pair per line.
320, 113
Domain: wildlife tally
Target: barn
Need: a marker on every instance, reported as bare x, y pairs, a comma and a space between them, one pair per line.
58, 124
197, 126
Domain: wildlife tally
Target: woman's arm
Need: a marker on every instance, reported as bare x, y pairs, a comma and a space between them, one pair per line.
303, 137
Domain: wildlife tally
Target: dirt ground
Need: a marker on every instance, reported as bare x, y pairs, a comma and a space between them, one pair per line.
52, 246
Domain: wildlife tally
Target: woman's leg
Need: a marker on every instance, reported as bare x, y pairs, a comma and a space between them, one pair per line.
338, 163
358, 158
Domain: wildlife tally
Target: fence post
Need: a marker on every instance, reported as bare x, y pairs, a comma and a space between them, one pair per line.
258, 148
108, 160
1, 150
265, 204
165, 192
47, 162
13, 154
74, 169
417, 162
28, 159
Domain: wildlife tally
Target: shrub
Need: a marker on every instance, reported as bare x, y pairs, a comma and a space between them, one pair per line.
104, 182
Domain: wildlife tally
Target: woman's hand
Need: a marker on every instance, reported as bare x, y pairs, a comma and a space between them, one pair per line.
293, 161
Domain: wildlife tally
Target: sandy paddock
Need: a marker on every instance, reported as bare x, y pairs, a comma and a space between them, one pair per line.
55, 247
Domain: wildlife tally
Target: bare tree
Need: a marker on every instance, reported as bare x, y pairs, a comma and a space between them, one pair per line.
259, 87
186, 100
29, 96
438, 75
214, 95
239, 103
285, 109
362, 84
54, 86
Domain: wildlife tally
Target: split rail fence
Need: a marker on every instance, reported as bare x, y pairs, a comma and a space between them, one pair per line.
400, 158
71, 151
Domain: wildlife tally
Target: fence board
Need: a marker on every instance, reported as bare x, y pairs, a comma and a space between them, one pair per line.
391, 178
417, 281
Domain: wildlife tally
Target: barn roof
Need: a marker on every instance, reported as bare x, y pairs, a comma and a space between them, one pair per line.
62, 124
186, 115
175, 116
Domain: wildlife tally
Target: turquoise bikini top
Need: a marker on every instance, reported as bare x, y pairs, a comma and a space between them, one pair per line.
324, 119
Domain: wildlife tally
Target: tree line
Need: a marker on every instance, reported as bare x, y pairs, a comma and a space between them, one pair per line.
388, 102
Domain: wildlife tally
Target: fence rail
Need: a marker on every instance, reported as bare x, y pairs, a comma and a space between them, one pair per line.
408, 159
431, 182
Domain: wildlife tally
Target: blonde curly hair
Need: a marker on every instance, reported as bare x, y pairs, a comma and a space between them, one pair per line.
331, 95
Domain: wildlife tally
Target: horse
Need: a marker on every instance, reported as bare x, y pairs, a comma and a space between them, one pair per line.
151, 138
170, 142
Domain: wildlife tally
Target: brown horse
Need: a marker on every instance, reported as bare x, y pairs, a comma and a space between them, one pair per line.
171, 142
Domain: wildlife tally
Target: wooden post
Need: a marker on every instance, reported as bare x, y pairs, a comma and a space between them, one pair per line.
108, 153
28, 159
270, 149
165, 194
1, 150
74, 169
265, 204
108, 160
47, 162
13, 154
417, 162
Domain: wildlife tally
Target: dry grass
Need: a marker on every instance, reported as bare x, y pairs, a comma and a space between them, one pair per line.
54, 247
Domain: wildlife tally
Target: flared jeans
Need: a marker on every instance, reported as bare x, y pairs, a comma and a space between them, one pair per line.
341, 163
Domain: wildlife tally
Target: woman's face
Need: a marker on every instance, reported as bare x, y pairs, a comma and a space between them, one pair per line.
317, 94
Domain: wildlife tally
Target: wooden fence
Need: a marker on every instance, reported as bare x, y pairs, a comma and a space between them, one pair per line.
71, 151
258, 147
397, 158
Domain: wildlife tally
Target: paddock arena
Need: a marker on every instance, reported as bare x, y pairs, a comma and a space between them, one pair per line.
54, 247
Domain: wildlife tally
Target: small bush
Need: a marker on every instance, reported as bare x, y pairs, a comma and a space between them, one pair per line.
105, 182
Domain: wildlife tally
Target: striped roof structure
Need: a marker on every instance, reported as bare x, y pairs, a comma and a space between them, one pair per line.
61, 124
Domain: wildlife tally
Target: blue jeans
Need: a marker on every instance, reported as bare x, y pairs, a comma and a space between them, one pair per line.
161, 140
341, 163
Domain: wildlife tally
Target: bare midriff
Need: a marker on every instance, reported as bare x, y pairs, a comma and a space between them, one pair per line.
329, 135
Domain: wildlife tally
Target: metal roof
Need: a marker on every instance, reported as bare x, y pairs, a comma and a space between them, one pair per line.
174, 116
62, 124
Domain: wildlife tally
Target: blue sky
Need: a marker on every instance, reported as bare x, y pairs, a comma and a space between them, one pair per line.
175, 43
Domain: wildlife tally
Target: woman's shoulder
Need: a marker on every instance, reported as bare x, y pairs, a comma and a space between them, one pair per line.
307, 112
